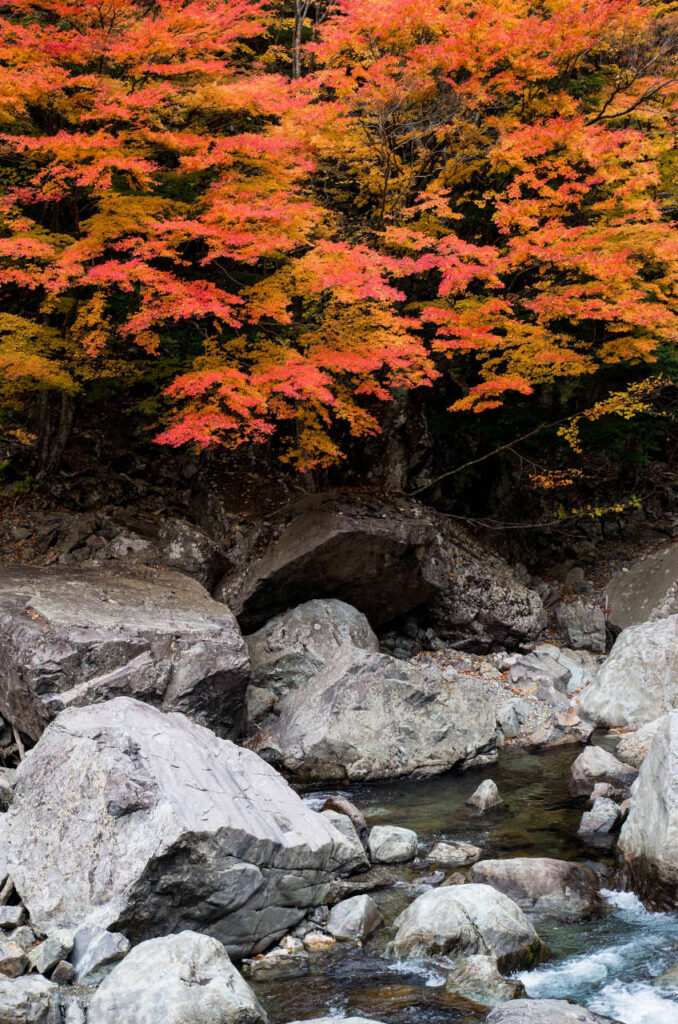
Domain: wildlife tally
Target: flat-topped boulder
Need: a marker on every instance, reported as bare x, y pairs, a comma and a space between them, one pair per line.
385, 558
147, 824
639, 680
370, 716
554, 887
648, 836
72, 637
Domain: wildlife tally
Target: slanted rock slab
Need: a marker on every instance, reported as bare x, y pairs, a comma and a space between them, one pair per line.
543, 1011
178, 979
69, 638
602, 819
146, 823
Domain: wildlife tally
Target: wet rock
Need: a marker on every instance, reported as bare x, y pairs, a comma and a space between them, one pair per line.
370, 716
188, 549
95, 953
181, 978
389, 844
543, 1011
647, 841
384, 558
539, 667
594, 765
561, 728
72, 638
378, 877
13, 959
119, 805
639, 680
57, 946
287, 961
341, 805
557, 888
602, 819
292, 647
581, 625
33, 1000
485, 797
454, 855
467, 919
63, 973
355, 918
7, 776
317, 942
478, 979
12, 916
345, 826
648, 590
633, 746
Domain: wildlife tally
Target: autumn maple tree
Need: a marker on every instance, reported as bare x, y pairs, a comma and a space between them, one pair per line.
313, 207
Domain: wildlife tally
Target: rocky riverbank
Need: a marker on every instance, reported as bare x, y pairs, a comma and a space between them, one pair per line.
165, 699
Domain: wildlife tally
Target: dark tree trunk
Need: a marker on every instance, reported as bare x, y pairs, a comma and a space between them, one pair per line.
55, 416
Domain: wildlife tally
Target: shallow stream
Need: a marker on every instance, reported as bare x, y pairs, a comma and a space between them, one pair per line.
608, 963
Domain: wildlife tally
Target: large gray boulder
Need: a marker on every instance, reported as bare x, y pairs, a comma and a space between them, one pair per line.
581, 625
543, 1011
29, 1000
639, 680
594, 765
179, 979
370, 716
292, 647
145, 823
648, 836
386, 558
75, 637
648, 590
467, 919
558, 888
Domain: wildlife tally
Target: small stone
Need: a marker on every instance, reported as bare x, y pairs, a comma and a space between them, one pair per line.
508, 721
604, 790
13, 960
317, 941
96, 952
63, 973
389, 844
57, 946
478, 979
454, 855
12, 917
601, 819
486, 796
24, 937
279, 962
355, 918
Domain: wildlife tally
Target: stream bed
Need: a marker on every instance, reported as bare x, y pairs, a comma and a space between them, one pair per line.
608, 963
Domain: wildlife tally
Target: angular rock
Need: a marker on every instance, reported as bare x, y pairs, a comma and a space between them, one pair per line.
7, 776
581, 625
24, 937
595, 764
385, 558
128, 818
341, 805
389, 844
508, 721
188, 549
543, 1011
46, 955
467, 919
12, 916
370, 716
33, 1000
557, 888
633, 746
345, 826
355, 918
4, 848
538, 667
647, 841
639, 680
485, 797
63, 973
561, 728
602, 819
13, 959
454, 855
292, 647
477, 978
648, 590
281, 962
179, 979
604, 790
316, 942
95, 953
77, 637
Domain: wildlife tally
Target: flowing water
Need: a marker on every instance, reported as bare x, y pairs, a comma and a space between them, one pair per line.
611, 963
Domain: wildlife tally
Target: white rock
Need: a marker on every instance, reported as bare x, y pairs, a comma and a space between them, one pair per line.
389, 844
